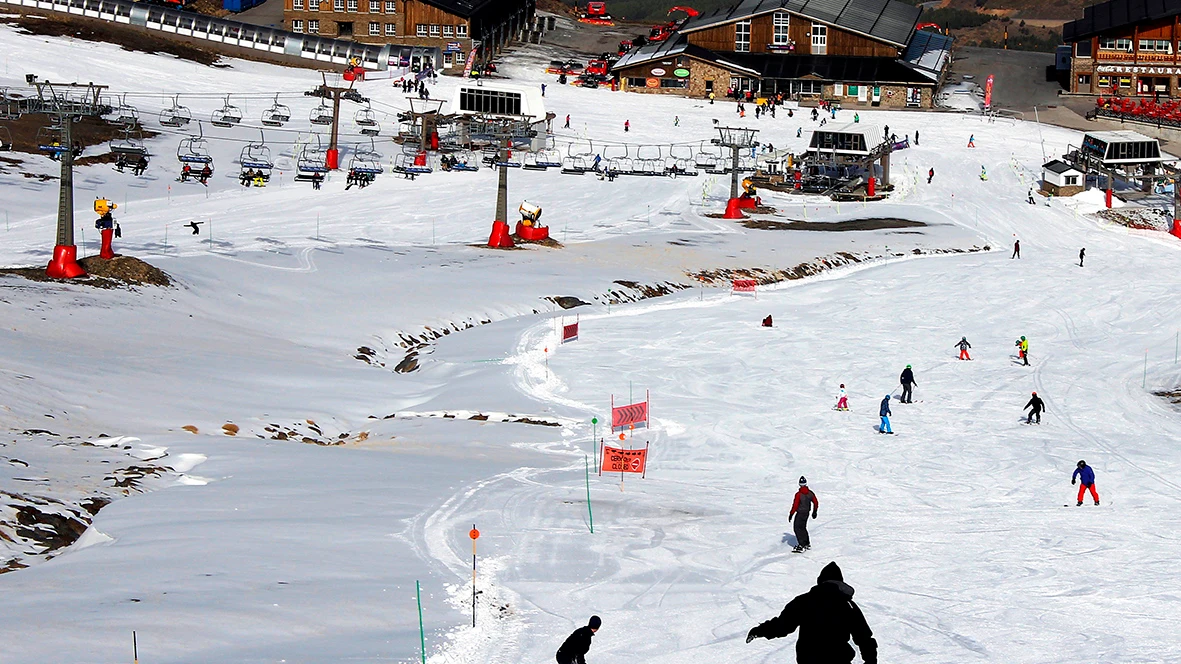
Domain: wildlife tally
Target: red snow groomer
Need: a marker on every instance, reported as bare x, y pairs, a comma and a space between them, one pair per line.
663, 32
598, 67
596, 14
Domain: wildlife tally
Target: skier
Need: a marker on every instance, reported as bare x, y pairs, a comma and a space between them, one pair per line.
1016, 249
972, 141
140, 166
567, 121
983, 173
543, 89
964, 346
1082, 253
826, 617
676, 121
711, 98
575, 647
908, 382
930, 175
856, 118
916, 136
842, 399
799, 515
1023, 350
1037, 405
205, 175
1029, 198
799, 132
1087, 475
886, 131
627, 126
884, 413
317, 180
767, 322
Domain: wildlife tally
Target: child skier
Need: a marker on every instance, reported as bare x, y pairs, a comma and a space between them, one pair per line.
799, 515
963, 345
884, 413
1037, 406
842, 399
1087, 475
972, 141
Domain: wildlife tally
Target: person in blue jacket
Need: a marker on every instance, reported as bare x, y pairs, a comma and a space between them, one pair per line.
885, 414
1087, 475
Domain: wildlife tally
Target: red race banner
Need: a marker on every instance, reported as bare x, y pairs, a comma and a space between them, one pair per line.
616, 460
570, 332
988, 93
744, 286
631, 416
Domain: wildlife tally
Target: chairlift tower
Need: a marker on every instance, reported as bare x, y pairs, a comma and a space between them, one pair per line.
334, 91
67, 102
503, 130
737, 139
425, 115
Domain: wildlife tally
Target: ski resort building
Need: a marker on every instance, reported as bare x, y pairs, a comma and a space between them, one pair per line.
1127, 48
436, 33
856, 52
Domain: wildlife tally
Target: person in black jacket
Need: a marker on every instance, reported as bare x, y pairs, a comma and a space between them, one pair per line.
575, 647
1037, 405
907, 380
826, 617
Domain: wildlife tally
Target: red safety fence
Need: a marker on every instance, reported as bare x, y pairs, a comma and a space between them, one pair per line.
570, 332
631, 416
617, 460
744, 286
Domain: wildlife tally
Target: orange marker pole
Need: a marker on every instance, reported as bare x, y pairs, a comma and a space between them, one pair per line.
474, 534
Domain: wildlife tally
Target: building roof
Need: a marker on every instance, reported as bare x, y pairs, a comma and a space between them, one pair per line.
1120, 136
928, 53
1058, 166
679, 45
890, 21
838, 68
1116, 14
872, 133
495, 9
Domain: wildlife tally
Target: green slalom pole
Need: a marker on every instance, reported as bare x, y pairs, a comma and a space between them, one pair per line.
590, 515
421, 631
595, 439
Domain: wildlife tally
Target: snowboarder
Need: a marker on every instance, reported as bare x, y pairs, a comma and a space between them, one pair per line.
575, 647
676, 121
884, 413
930, 175
767, 322
799, 515
627, 126
1082, 253
1023, 350
141, 165
826, 617
908, 382
963, 345
1037, 406
567, 122
856, 118
983, 173
842, 399
196, 226
972, 141
1087, 475
799, 132
1016, 249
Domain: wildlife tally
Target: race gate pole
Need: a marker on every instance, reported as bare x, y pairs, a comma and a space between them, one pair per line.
421, 631
474, 534
134, 647
590, 515
644, 475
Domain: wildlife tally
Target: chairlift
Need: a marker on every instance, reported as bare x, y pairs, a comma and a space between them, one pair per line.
226, 116
9, 107
131, 143
550, 158
277, 115
531, 163
5, 139
312, 161
366, 162
177, 115
464, 161
49, 141
194, 149
256, 156
365, 117
321, 115
407, 163
126, 114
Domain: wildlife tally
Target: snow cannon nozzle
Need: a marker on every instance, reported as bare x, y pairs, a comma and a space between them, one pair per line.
594, 622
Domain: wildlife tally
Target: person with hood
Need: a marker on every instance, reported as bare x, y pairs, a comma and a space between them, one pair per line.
575, 647
963, 345
826, 617
1036, 403
908, 382
1087, 475
885, 413
842, 399
1023, 350
799, 515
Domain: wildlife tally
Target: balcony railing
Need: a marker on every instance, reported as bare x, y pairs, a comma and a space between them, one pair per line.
1127, 56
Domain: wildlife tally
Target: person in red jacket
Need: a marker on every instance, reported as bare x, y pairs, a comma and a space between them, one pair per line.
804, 500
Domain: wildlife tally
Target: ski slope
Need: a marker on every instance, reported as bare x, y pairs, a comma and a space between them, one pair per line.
255, 549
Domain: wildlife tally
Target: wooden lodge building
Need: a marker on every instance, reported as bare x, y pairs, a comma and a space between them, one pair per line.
857, 52
1126, 47
438, 33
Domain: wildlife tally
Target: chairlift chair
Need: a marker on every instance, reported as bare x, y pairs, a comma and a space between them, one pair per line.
126, 114
312, 161
404, 164
130, 144
277, 115
256, 157
531, 163
550, 158
466, 161
49, 141
365, 117
226, 116
176, 115
367, 162
194, 149
9, 107
321, 115
5, 139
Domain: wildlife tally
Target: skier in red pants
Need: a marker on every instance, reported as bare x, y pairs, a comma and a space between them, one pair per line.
1087, 475
963, 345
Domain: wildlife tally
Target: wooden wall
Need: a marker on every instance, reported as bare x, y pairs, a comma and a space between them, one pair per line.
415, 12
840, 42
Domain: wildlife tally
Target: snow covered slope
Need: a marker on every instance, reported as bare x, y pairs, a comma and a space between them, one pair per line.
261, 547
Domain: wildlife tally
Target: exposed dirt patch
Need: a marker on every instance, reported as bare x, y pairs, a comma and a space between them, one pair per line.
130, 39
765, 276
1148, 219
567, 301
1173, 396
114, 273
834, 226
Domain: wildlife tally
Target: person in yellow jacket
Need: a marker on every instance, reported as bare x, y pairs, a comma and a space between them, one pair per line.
1023, 350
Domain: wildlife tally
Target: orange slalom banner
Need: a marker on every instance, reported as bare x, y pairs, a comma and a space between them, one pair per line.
617, 460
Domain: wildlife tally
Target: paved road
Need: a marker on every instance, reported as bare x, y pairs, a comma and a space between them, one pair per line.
269, 14
1019, 76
